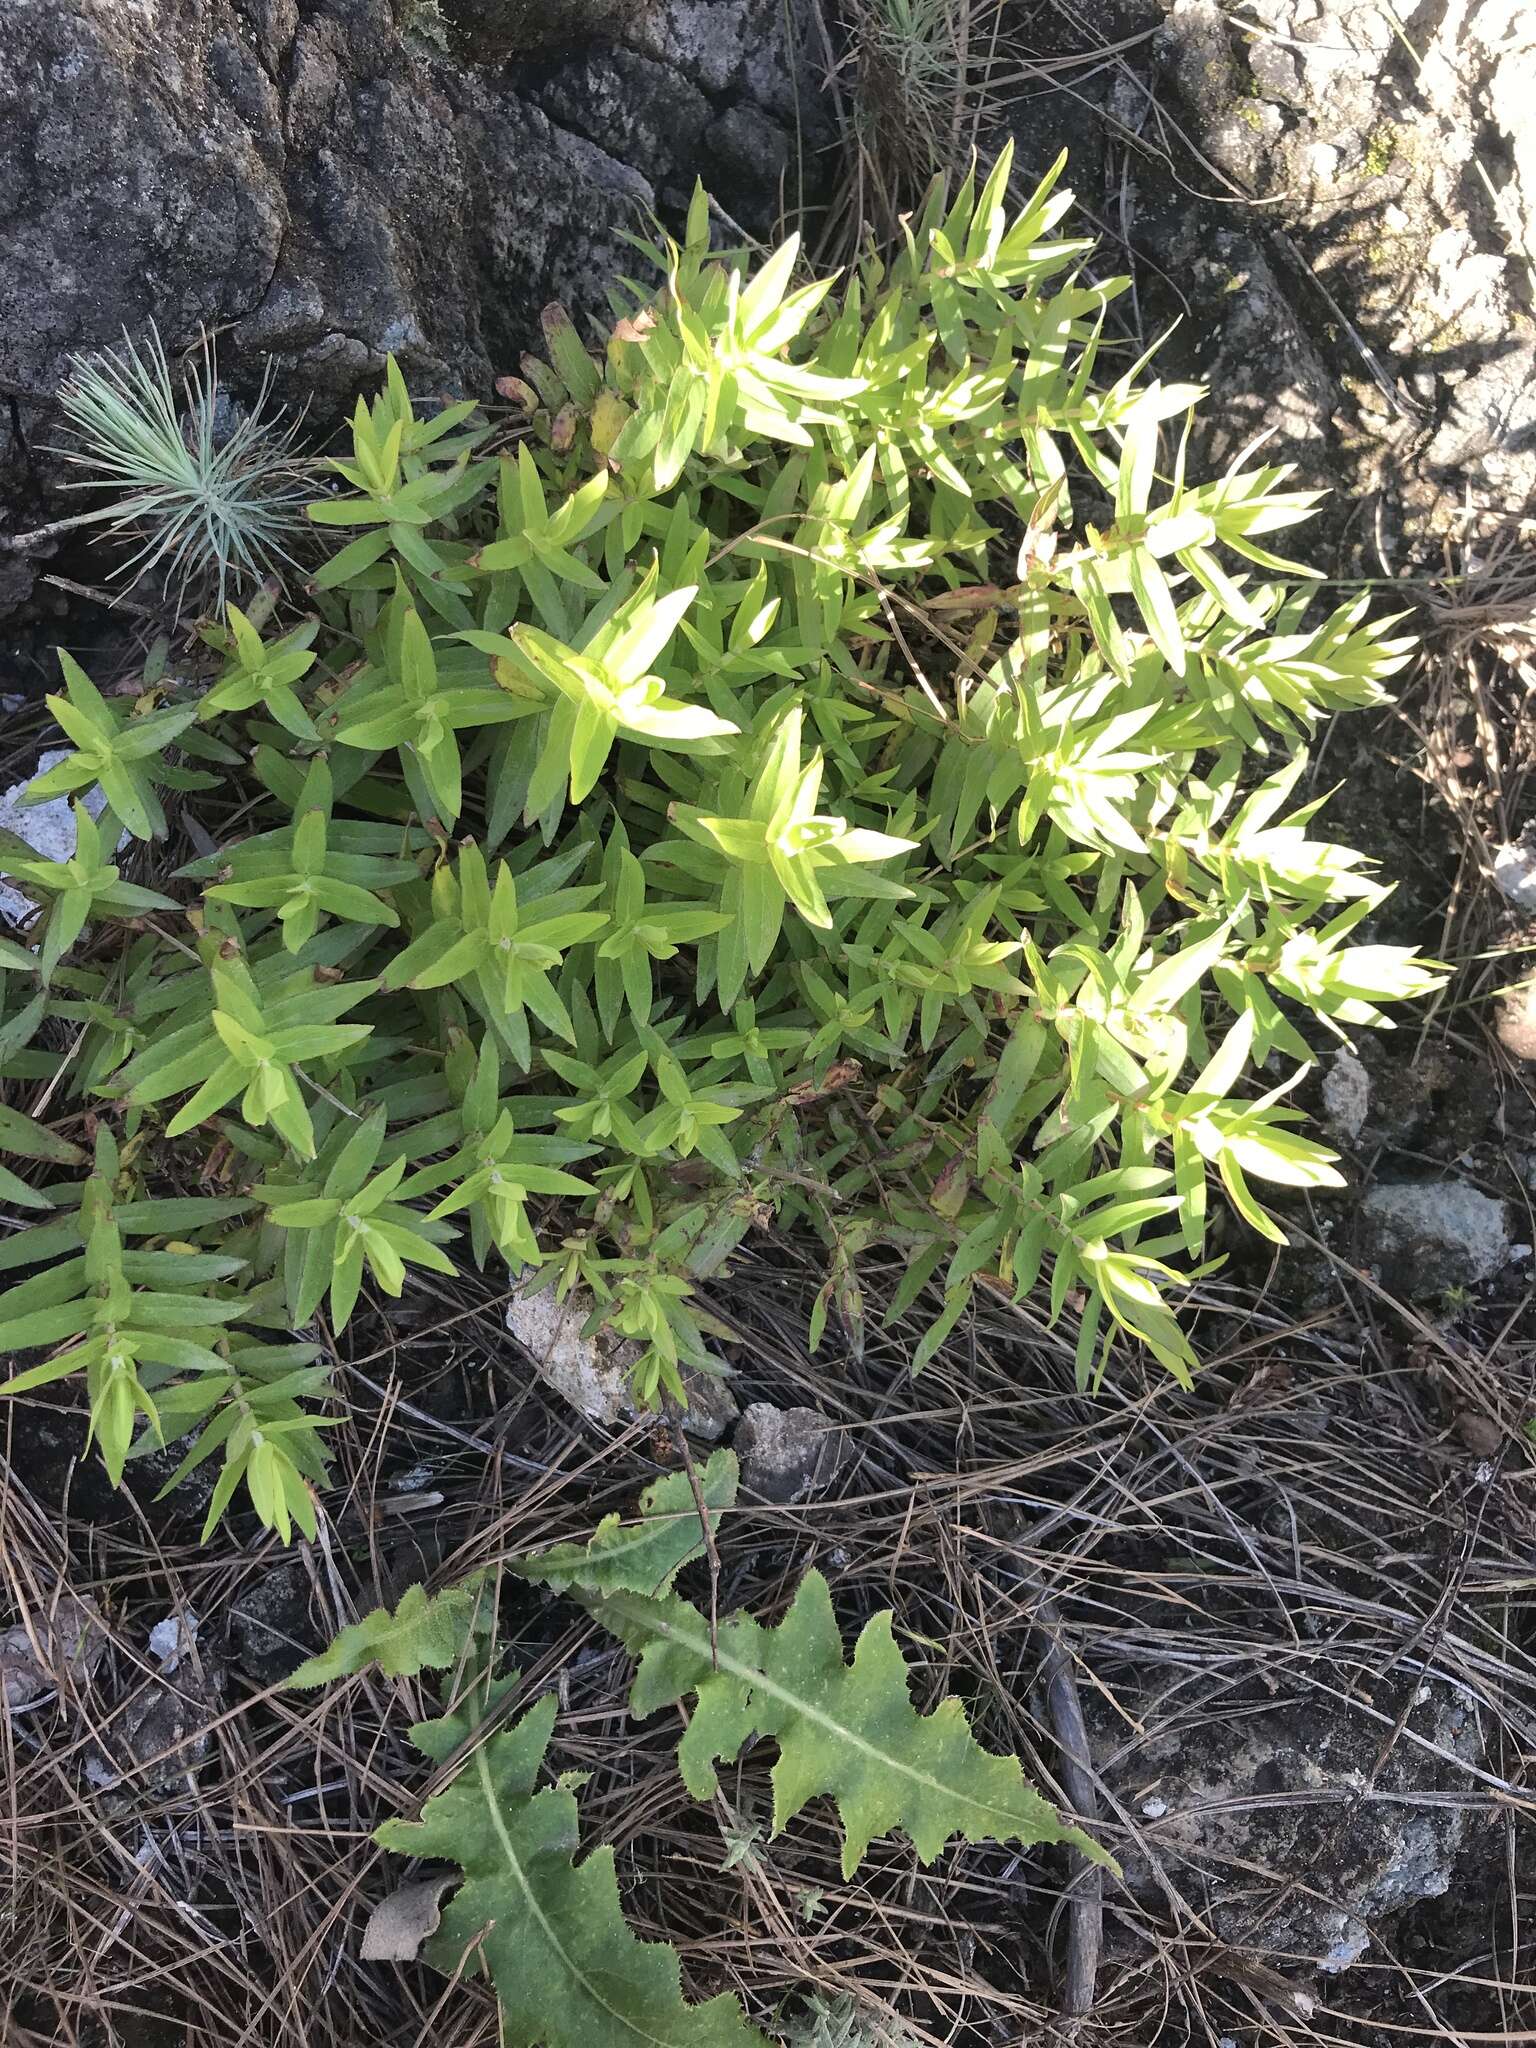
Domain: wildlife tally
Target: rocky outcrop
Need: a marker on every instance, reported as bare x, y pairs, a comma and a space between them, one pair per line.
1298, 1828
1331, 202
1335, 200
329, 181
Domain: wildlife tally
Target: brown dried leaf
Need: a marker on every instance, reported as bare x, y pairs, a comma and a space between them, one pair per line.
562, 430
841, 1074
1271, 1382
1480, 1433
971, 597
401, 1925
636, 328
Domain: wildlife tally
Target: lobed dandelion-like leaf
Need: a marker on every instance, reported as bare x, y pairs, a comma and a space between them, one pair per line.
846, 1729
644, 1556
569, 1970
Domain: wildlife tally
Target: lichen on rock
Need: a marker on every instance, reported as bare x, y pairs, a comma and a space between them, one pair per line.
1299, 1828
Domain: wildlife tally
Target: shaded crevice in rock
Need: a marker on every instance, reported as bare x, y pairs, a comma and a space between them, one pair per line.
333, 179
638, 111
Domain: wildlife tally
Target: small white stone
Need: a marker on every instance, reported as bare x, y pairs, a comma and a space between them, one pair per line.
1323, 163
49, 829
171, 1639
1154, 1809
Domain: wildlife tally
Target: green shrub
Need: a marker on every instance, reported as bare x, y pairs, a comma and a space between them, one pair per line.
838, 770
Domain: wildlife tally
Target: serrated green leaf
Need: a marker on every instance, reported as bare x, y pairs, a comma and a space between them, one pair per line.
426, 1632
643, 1556
569, 1970
844, 1729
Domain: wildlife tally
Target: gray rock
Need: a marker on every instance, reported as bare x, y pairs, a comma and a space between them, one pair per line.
1372, 305
1514, 874
1515, 1023
593, 1373
48, 828
59, 1647
1346, 1095
1286, 1825
271, 1623
1423, 1237
712, 1407
787, 1454
160, 1737
334, 183
1366, 166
